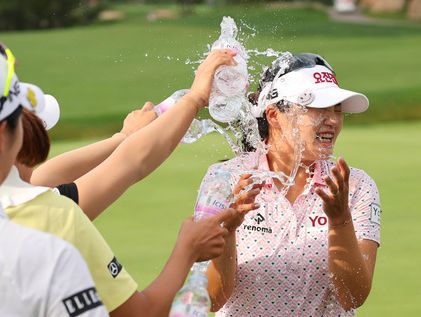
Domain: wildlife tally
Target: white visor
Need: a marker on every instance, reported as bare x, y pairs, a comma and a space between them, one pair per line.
314, 87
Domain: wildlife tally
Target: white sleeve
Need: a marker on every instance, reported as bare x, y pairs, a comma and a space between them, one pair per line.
72, 292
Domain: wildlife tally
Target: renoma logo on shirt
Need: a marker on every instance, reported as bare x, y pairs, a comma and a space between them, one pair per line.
81, 302
259, 219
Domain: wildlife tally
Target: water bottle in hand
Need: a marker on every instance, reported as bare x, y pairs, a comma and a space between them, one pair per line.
197, 129
170, 101
215, 195
230, 82
193, 299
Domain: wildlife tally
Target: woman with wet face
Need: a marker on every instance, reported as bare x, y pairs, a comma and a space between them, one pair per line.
310, 249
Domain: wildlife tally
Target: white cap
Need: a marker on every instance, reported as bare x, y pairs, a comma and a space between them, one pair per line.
50, 113
27, 95
313, 87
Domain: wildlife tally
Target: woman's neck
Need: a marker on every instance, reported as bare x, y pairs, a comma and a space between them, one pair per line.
285, 162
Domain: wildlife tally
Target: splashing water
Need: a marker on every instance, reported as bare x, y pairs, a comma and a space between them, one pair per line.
240, 120
244, 36
270, 52
242, 124
245, 126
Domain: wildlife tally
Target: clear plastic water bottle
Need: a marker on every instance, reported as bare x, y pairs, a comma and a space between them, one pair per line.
193, 299
170, 101
230, 82
215, 194
197, 129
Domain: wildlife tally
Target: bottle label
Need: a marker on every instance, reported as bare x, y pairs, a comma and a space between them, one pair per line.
163, 106
236, 47
228, 45
210, 204
170, 101
213, 197
203, 207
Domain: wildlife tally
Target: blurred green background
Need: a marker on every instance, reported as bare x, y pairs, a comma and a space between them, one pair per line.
101, 72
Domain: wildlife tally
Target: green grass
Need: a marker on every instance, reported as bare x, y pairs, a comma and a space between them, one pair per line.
143, 224
101, 72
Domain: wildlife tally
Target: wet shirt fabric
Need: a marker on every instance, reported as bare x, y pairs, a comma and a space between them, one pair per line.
34, 276
282, 248
61, 217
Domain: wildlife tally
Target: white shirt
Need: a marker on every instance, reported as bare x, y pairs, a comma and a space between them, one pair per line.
41, 275
14, 191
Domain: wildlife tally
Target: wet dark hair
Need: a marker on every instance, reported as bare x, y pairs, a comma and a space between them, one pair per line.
36, 142
288, 62
262, 122
12, 119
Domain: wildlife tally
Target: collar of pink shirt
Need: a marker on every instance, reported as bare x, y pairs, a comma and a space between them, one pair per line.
320, 170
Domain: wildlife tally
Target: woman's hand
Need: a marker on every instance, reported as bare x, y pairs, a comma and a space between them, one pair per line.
204, 239
335, 200
138, 119
244, 201
202, 84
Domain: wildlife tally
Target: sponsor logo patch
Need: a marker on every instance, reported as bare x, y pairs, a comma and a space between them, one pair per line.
272, 94
81, 302
258, 229
259, 219
375, 213
32, 98
317, 221
114, 267
324, 77
306, 98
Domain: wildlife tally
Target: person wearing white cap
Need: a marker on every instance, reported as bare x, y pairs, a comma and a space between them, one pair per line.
40, 274
310, 249
38, 207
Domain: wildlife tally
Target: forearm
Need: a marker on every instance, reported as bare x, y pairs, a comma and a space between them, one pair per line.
145, 150
350, 274
156, 299
151, 146
134, 159
68, 167
221, 274
160, 293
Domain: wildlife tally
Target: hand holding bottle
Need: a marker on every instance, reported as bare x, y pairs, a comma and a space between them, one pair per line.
202, 84
138, 119
205, 238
